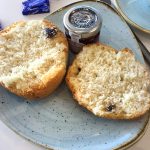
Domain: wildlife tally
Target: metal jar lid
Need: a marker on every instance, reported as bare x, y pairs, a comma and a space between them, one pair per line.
83, 20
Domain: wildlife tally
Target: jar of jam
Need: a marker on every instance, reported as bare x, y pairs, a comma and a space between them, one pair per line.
82, 26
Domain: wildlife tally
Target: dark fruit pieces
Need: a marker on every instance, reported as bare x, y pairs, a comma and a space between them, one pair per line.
50, 32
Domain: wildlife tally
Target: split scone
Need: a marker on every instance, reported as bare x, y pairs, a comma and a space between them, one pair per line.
33, 57
110, 83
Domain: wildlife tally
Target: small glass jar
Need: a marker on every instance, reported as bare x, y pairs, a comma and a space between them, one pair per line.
82, 26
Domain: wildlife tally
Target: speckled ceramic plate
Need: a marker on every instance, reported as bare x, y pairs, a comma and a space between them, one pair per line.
57, 121
136, 12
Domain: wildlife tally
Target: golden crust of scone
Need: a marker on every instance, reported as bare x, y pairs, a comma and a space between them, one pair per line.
42, 88
73, 71
50, 80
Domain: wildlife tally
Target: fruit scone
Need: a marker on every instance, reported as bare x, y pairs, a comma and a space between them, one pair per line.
33, 57
110, 83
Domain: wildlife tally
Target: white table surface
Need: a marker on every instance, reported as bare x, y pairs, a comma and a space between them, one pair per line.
10, 11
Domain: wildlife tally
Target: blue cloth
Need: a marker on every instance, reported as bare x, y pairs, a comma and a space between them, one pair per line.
0, 27
35, 7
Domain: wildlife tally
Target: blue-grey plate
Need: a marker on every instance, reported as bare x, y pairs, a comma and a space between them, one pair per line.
57, 121
136, 12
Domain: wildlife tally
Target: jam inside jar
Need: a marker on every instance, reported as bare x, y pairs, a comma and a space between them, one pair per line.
82, 26
92, 39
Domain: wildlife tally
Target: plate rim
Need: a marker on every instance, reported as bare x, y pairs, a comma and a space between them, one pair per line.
121, 147
138, 137
120, 11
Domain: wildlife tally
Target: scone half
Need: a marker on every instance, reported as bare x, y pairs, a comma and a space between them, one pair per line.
110, 83
33, 58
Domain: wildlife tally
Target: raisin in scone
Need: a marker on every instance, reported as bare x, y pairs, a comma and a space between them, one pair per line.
110, 83
33, 57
